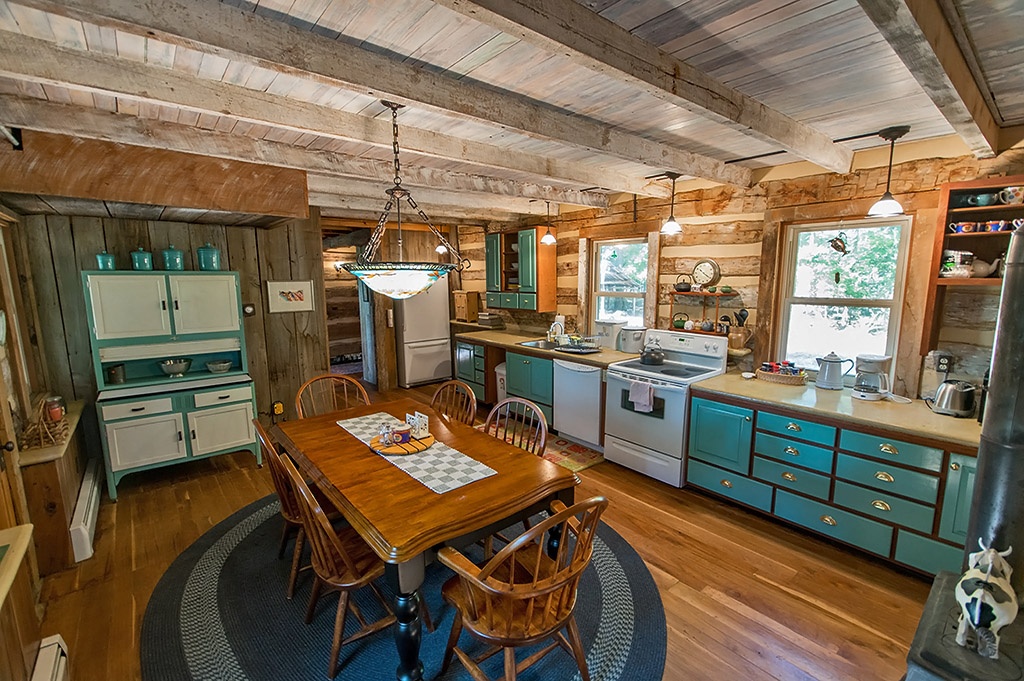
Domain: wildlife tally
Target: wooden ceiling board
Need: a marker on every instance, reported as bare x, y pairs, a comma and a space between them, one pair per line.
995, 28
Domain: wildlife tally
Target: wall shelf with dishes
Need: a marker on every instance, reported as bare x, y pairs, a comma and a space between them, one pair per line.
975, 221
705, 298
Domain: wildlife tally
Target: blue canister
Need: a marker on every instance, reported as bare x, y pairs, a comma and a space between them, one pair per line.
142, 260
209, 257
105, 261
174, 259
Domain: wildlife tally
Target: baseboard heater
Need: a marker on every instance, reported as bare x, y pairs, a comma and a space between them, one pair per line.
52, 660
83, 523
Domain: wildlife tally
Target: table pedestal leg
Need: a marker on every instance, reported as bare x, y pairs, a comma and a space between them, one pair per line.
405, 579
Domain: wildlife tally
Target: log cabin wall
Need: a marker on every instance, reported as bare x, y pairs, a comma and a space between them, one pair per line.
284, 349
341, 296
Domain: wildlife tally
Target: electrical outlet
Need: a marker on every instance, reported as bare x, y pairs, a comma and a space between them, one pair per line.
277, 408
944, 363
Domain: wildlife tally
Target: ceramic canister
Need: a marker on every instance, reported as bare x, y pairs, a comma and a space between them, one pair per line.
174, 259
104, 261
142, 260
209, 257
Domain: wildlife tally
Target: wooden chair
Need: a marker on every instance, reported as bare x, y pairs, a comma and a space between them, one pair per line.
342, 562
327, 393
455, 400
522, 596
520, 423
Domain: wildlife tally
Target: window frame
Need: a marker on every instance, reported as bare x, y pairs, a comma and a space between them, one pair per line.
595, 274
787, 273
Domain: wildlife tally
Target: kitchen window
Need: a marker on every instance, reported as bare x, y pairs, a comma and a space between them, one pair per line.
620, 281
843, 303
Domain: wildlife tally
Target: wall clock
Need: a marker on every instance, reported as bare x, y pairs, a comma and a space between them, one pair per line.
706, 272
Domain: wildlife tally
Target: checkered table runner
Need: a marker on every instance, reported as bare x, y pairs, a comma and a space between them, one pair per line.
439, 467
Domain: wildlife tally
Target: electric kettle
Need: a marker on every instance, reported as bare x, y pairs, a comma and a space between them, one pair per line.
953, 398
830, 371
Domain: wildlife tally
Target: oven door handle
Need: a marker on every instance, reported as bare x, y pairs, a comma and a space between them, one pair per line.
669, 388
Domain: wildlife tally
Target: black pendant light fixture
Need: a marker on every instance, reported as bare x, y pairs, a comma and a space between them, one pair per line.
671, 226
887, 206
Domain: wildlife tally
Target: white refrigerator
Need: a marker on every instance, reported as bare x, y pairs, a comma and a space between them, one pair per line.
423, 336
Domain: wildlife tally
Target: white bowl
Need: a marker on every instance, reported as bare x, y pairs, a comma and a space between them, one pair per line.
219, 366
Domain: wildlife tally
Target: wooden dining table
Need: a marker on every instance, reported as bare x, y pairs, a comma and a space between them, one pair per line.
405, 522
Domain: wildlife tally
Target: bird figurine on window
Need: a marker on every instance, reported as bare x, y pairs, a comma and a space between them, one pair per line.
838, 243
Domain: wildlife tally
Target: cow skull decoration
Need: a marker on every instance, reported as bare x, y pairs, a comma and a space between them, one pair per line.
986, 599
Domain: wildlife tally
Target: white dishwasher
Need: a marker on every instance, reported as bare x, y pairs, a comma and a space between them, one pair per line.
577, 405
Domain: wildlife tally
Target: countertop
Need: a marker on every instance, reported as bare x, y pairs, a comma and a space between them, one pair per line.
912, 419
509, 341
31, 457
16, 540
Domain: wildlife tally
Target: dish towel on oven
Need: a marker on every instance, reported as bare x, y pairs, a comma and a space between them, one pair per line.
642, 396
440, 468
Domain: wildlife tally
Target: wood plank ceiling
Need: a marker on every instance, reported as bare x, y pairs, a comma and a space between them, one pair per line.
509, 103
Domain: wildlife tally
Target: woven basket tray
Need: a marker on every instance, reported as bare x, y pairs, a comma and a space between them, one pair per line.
784, 379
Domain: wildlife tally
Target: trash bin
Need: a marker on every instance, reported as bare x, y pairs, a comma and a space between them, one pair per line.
499, 374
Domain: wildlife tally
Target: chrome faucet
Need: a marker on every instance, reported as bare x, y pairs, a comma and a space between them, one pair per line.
551, 330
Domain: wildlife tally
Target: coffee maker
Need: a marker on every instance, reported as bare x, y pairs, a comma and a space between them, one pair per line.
872, 380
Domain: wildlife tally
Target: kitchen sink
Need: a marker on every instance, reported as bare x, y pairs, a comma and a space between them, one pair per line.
540, 344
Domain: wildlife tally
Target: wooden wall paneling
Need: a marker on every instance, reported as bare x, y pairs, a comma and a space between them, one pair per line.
123, 236
367, 331
284, 374
242, 255
21, 377
31, 336
653, 272
384, 343
306, 251
69, 293
199, 236
163, 235
583, 287
55, 349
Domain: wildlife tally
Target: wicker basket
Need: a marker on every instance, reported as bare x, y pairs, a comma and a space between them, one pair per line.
784, 379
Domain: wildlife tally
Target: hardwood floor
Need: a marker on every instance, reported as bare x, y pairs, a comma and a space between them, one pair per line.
745, 598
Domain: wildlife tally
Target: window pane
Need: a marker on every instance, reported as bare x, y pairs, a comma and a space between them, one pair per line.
816, 330
868, 270
616, 309
622, 267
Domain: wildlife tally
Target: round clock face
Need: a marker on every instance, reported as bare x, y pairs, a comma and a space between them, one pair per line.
706, 272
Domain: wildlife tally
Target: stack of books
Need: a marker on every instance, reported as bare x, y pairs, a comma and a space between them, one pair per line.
490, 320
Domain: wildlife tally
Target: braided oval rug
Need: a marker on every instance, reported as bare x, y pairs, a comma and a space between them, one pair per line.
219, 613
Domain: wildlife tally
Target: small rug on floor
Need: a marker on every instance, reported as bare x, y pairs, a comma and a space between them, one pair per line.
219, 613
569, 453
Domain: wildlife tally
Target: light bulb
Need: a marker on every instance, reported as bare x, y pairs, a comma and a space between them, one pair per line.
671, 226
886, 207
548, 239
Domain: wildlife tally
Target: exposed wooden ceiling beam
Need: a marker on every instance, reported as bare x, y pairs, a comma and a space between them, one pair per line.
340, 205
39, 61
570, 29
217, 28
921, 37
81, 122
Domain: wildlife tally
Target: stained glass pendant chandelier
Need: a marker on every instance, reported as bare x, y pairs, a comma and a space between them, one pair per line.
400, 279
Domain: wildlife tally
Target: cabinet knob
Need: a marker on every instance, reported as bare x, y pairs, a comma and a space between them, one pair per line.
746, 418
727, 483
9, 446
887, 448
792, 451
881, 505
954, 466
884, 477
789, 476
526, 361
829, 520
793, 426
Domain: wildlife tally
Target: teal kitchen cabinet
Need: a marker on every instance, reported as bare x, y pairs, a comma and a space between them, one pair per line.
532, 379
527, 261
956, 502
492, 258
469, 366
721, 434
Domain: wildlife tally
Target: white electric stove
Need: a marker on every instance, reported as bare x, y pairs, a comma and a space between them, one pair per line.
654, 442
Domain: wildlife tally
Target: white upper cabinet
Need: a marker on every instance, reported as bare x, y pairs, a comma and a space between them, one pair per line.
204, 303
129, 306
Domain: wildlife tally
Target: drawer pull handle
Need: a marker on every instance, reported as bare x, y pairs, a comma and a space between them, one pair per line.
887, 448
829, 520
789, 476
179, 436
795, 427
792, 451
223, 397
163, 304
727, 483
138, 409
746, 418
526, 361
954, 466
884, 477
881, 505
193, 433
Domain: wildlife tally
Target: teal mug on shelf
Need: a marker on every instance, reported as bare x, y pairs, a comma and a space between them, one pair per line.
174, 259
982, 199
208, 257
105, 261
142, 260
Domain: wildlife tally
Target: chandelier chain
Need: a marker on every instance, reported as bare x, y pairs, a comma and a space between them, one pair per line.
394, 145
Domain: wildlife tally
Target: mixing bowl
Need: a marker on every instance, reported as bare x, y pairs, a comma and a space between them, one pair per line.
176, 368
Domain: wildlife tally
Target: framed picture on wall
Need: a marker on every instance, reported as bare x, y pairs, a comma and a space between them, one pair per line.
289, 296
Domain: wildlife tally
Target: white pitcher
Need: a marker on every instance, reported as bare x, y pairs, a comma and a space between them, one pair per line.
830, 371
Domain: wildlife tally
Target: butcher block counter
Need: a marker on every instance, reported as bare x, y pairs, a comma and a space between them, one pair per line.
507, 340
914, 419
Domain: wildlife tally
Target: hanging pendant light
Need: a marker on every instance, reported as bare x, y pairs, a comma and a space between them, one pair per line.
548, 239
671, 226
399, 279
887, 206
